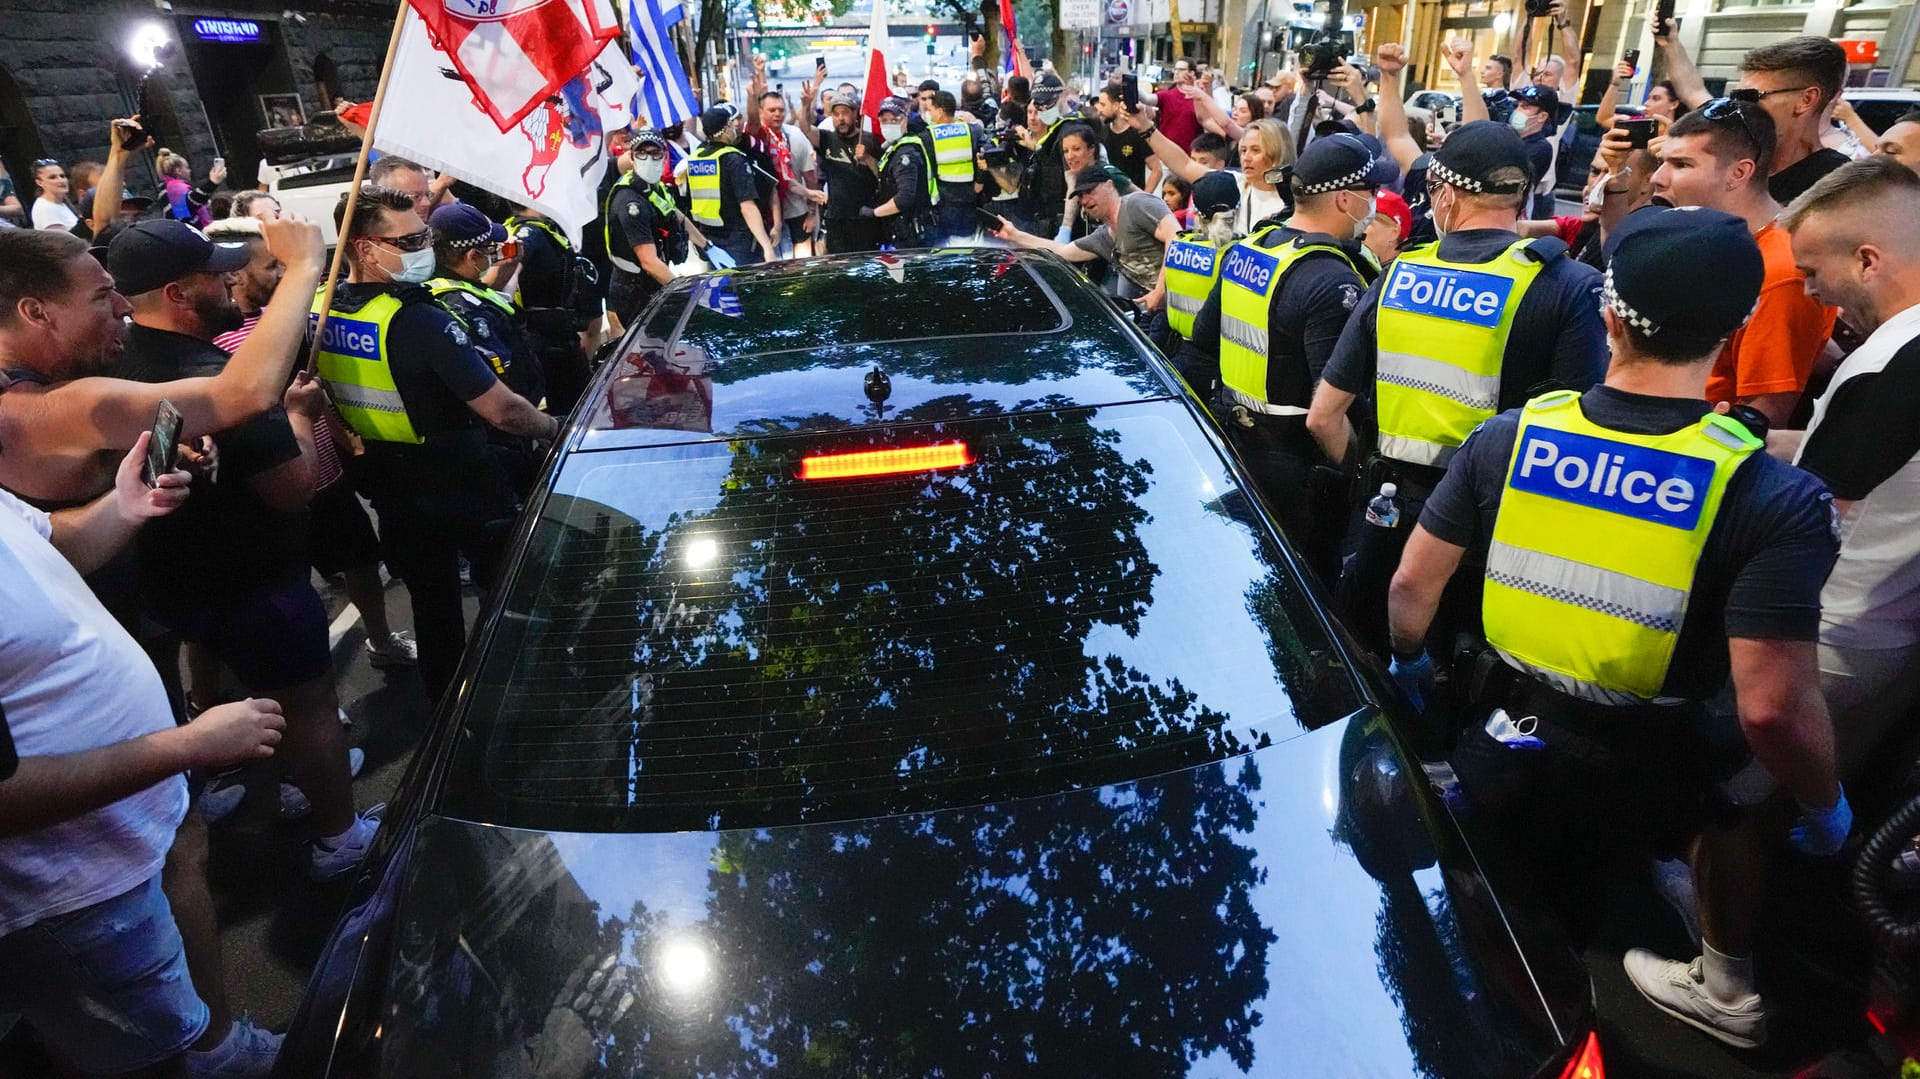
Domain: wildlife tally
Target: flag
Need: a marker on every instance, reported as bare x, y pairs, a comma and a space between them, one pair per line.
552, 160
666, 97
895, 268
671, 12
877, 89
516, 53
1013, 58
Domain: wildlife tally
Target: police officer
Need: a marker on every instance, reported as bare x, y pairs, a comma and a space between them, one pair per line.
557, 297
1268, 326
1639, 549
1450, 334
908, 188
724, 198
956, 167
644, 229
1193, 267
849, 158
1043, 194
407, 379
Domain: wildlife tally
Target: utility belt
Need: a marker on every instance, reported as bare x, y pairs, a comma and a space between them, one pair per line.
1413, 481
1487, 681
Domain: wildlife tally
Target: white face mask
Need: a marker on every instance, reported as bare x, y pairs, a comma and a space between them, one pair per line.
891, 132
1050, 116
649, 169
1518, 121
1360, 223
416, 267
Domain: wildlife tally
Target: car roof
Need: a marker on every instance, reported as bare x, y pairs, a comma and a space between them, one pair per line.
792, 347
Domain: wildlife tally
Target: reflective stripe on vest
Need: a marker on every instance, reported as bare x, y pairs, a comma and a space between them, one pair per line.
1596, 543
440, 286
703, 183
1443, 329
1249, 277
617, 253
1191, 267
933, 186
353, 360
953, 152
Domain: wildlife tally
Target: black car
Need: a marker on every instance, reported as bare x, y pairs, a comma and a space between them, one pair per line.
894, 677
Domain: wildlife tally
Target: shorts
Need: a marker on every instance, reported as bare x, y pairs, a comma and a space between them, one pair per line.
340, 535
797, 229
272, 638
106, 986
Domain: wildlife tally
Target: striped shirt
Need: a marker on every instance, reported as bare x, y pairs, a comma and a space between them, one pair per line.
326, 451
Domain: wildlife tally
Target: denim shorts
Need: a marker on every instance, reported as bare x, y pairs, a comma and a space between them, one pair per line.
105, 986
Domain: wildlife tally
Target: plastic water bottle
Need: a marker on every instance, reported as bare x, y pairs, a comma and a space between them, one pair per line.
1382, 510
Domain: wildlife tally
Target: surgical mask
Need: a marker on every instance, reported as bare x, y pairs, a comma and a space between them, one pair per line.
1050, 116
1360, 224
416, 267
649, 169
1596, 199
1518, 121
890, 132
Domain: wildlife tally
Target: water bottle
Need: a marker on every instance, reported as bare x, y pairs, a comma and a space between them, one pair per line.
1382, 510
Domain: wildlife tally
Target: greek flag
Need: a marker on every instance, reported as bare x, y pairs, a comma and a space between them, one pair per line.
665, 95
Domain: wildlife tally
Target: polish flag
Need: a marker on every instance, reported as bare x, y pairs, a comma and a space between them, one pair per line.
515, 54
877, 89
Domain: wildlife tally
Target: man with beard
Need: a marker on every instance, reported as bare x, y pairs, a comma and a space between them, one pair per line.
229, 571
848, 157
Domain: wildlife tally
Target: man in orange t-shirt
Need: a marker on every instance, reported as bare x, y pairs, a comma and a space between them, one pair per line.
1715, 157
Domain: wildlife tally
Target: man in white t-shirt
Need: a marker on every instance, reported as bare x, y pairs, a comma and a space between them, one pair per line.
91, 954
1856, 235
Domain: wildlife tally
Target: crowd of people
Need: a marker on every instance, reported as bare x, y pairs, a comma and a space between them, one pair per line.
1624, 499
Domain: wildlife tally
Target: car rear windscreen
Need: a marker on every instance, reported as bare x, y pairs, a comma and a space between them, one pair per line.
801, 629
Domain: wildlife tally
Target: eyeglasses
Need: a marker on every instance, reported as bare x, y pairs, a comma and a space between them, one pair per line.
1752, 97
1725, 108
412, 241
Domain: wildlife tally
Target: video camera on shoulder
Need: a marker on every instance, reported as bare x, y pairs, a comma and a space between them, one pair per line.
996, 155
1327, 51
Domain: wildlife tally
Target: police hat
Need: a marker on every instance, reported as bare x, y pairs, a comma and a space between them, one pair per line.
1047, 89
1216, 192
648, 136
151, 254
895, 105
1474, 152
717, 117
1654, 280
461, 225
1334, 163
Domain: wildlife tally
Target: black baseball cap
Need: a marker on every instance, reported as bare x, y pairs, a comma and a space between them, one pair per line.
1094, 175
151, 254
717, 117
1475, 152
1215, 192
1654, 280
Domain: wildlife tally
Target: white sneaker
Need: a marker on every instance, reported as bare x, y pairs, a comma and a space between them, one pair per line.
293, 801
220, 799
1680, 990
398, 650
247, 1053
329, 861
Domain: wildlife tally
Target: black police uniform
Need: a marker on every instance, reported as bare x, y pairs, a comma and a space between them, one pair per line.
737, 186
1044, 191
1558, 341
958, 199
850, 186
903, 179
557, 301
447, 495
1305, 318
495, 332
640, 215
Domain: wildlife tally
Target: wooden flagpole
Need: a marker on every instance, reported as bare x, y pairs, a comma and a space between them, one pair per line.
353, 192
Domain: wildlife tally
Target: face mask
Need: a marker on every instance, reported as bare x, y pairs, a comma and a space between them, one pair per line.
1049, 116
890, 132
416, 267
1360, 224
1597, 195
649, 169
1518, 121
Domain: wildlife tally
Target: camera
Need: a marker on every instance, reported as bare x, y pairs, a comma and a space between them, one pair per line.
1539, 9
1328, 50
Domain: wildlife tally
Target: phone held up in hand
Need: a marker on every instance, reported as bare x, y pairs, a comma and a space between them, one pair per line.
164, 449
1662, 13
1639, 131
990, 223
1632, 60
1130, 91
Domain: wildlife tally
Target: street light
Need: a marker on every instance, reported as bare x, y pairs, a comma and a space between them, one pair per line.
148, 45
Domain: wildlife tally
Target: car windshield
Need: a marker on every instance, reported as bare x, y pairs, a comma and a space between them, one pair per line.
697, 638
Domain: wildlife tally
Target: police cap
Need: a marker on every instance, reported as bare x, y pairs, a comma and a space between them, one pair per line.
461, 225
1334, 163
1475, 152
1655, 280
1216, 192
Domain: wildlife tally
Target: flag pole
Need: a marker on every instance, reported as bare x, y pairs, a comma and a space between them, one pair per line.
353, 192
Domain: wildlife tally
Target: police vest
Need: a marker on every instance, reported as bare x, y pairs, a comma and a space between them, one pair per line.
617, 251
1192, 266
933, 186
353, 360
484, 341
1443, 329
1596, 543
953, 152
513, 226
703, 183
1249, 277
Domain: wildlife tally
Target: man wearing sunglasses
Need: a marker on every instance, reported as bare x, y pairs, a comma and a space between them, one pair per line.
1792, 82
406, 377
1715, 157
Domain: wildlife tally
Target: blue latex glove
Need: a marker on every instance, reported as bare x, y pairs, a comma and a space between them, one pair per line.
1414, 677
1821, 832
718, 258
1064, 236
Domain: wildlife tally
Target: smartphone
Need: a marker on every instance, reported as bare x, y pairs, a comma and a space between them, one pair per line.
219, 162
164, 450
510, 249
1632, 60
1130, 91
1639, 131
820, 64
132, 136
1662, 12
989, 222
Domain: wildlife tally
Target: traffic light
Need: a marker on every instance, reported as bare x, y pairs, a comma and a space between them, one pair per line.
930, 41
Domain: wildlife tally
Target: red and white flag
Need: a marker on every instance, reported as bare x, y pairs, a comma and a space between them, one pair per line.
515, 54
877, 89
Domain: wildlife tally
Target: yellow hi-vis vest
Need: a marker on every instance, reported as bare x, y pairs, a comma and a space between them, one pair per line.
353, 360
703, 183
513, 224
1443, 330
933, 186
1249, 276
1596, 543
953, 152
1192, 266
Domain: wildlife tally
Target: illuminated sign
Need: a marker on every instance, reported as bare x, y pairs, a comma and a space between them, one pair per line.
230, 31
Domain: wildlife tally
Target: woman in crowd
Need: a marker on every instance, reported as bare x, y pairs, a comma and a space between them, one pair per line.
51, 209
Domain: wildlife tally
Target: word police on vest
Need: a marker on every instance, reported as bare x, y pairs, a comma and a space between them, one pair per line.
1633, 481
1191, 257
349, 337
1454, 295
1251, 270
708, 167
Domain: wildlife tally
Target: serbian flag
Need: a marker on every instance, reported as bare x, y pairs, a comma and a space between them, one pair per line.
515, 54
877, 89
1013, 58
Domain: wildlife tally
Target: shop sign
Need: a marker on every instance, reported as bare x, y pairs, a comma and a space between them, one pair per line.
227, 31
